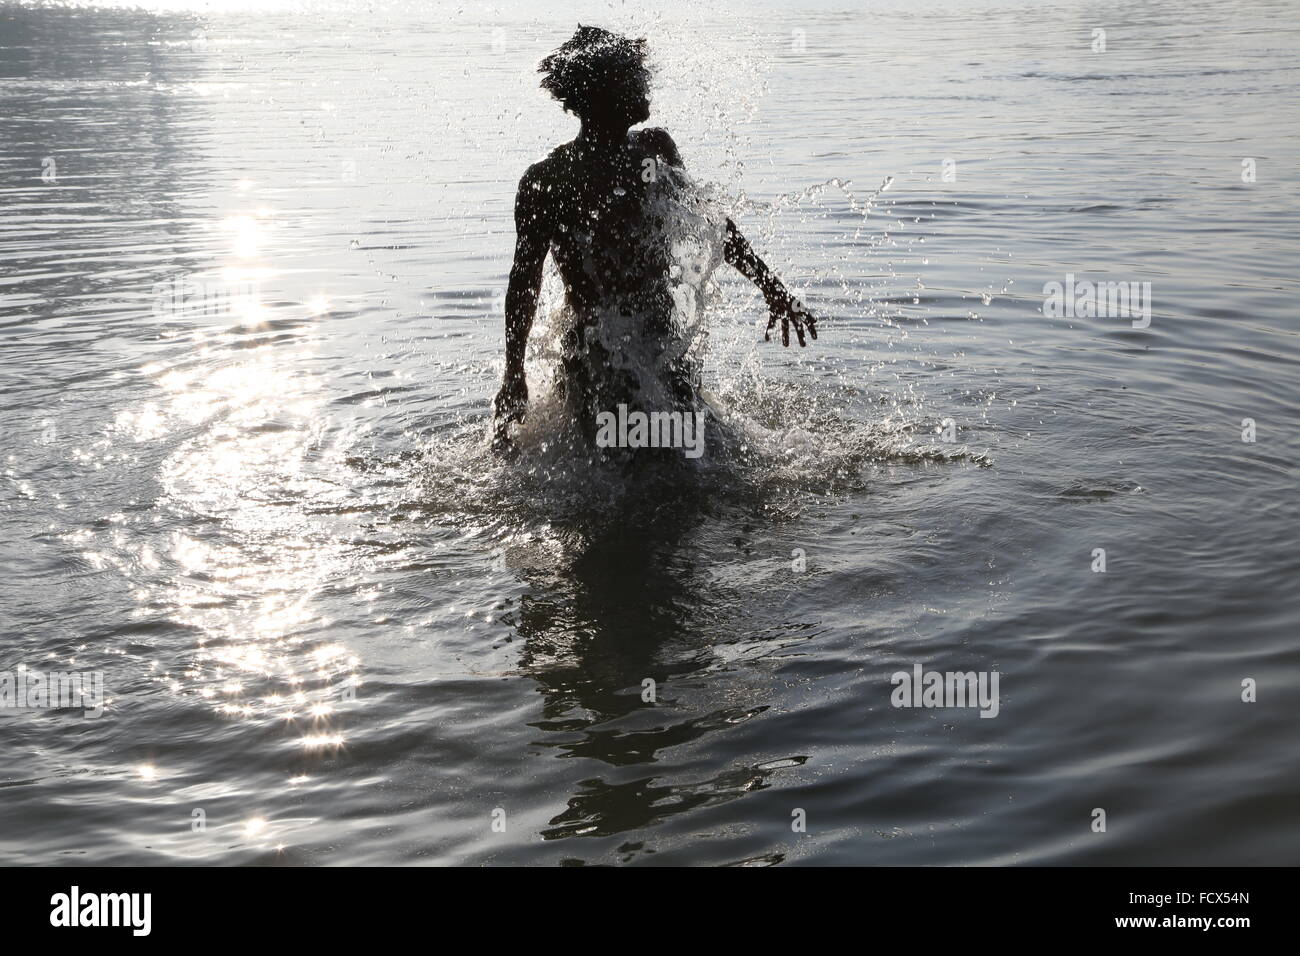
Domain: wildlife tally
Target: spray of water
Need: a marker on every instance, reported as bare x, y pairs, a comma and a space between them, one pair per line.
783, 427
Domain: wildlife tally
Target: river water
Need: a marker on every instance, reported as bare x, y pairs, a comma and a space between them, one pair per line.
252, 262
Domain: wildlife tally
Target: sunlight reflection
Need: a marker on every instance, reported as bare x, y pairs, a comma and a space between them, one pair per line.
248, 571
246, 242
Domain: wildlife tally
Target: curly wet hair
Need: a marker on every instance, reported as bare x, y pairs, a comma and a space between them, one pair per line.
592, 59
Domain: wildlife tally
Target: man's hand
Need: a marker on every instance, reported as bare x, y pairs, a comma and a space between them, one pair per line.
785, 307
509, 406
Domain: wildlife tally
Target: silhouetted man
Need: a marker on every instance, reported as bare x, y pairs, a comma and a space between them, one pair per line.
588, 203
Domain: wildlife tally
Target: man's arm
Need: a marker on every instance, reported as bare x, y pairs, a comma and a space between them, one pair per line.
532, 241
780, 303
738, 252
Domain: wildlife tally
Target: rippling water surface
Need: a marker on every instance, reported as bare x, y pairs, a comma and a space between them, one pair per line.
334, 629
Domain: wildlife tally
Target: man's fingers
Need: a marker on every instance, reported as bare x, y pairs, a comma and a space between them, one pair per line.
803, 322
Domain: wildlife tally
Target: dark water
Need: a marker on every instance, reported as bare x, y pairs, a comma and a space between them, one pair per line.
336, 631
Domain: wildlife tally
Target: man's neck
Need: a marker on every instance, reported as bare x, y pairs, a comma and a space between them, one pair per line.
600, 138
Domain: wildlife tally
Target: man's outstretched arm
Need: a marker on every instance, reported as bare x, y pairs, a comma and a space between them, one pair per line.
531, 245
780, 303
738, 252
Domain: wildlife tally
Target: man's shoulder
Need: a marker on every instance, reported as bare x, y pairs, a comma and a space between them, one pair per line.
653, 135
537, 174
534, 184
550, 165
656, 140
544, 174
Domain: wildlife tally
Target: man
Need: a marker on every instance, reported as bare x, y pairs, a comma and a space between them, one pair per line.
589, 205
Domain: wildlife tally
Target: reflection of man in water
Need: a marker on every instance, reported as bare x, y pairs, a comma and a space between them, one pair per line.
588, 204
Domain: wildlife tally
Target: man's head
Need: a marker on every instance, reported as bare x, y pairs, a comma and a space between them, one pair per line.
600, 76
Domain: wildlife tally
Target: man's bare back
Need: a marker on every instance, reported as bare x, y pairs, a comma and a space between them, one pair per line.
588, 203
